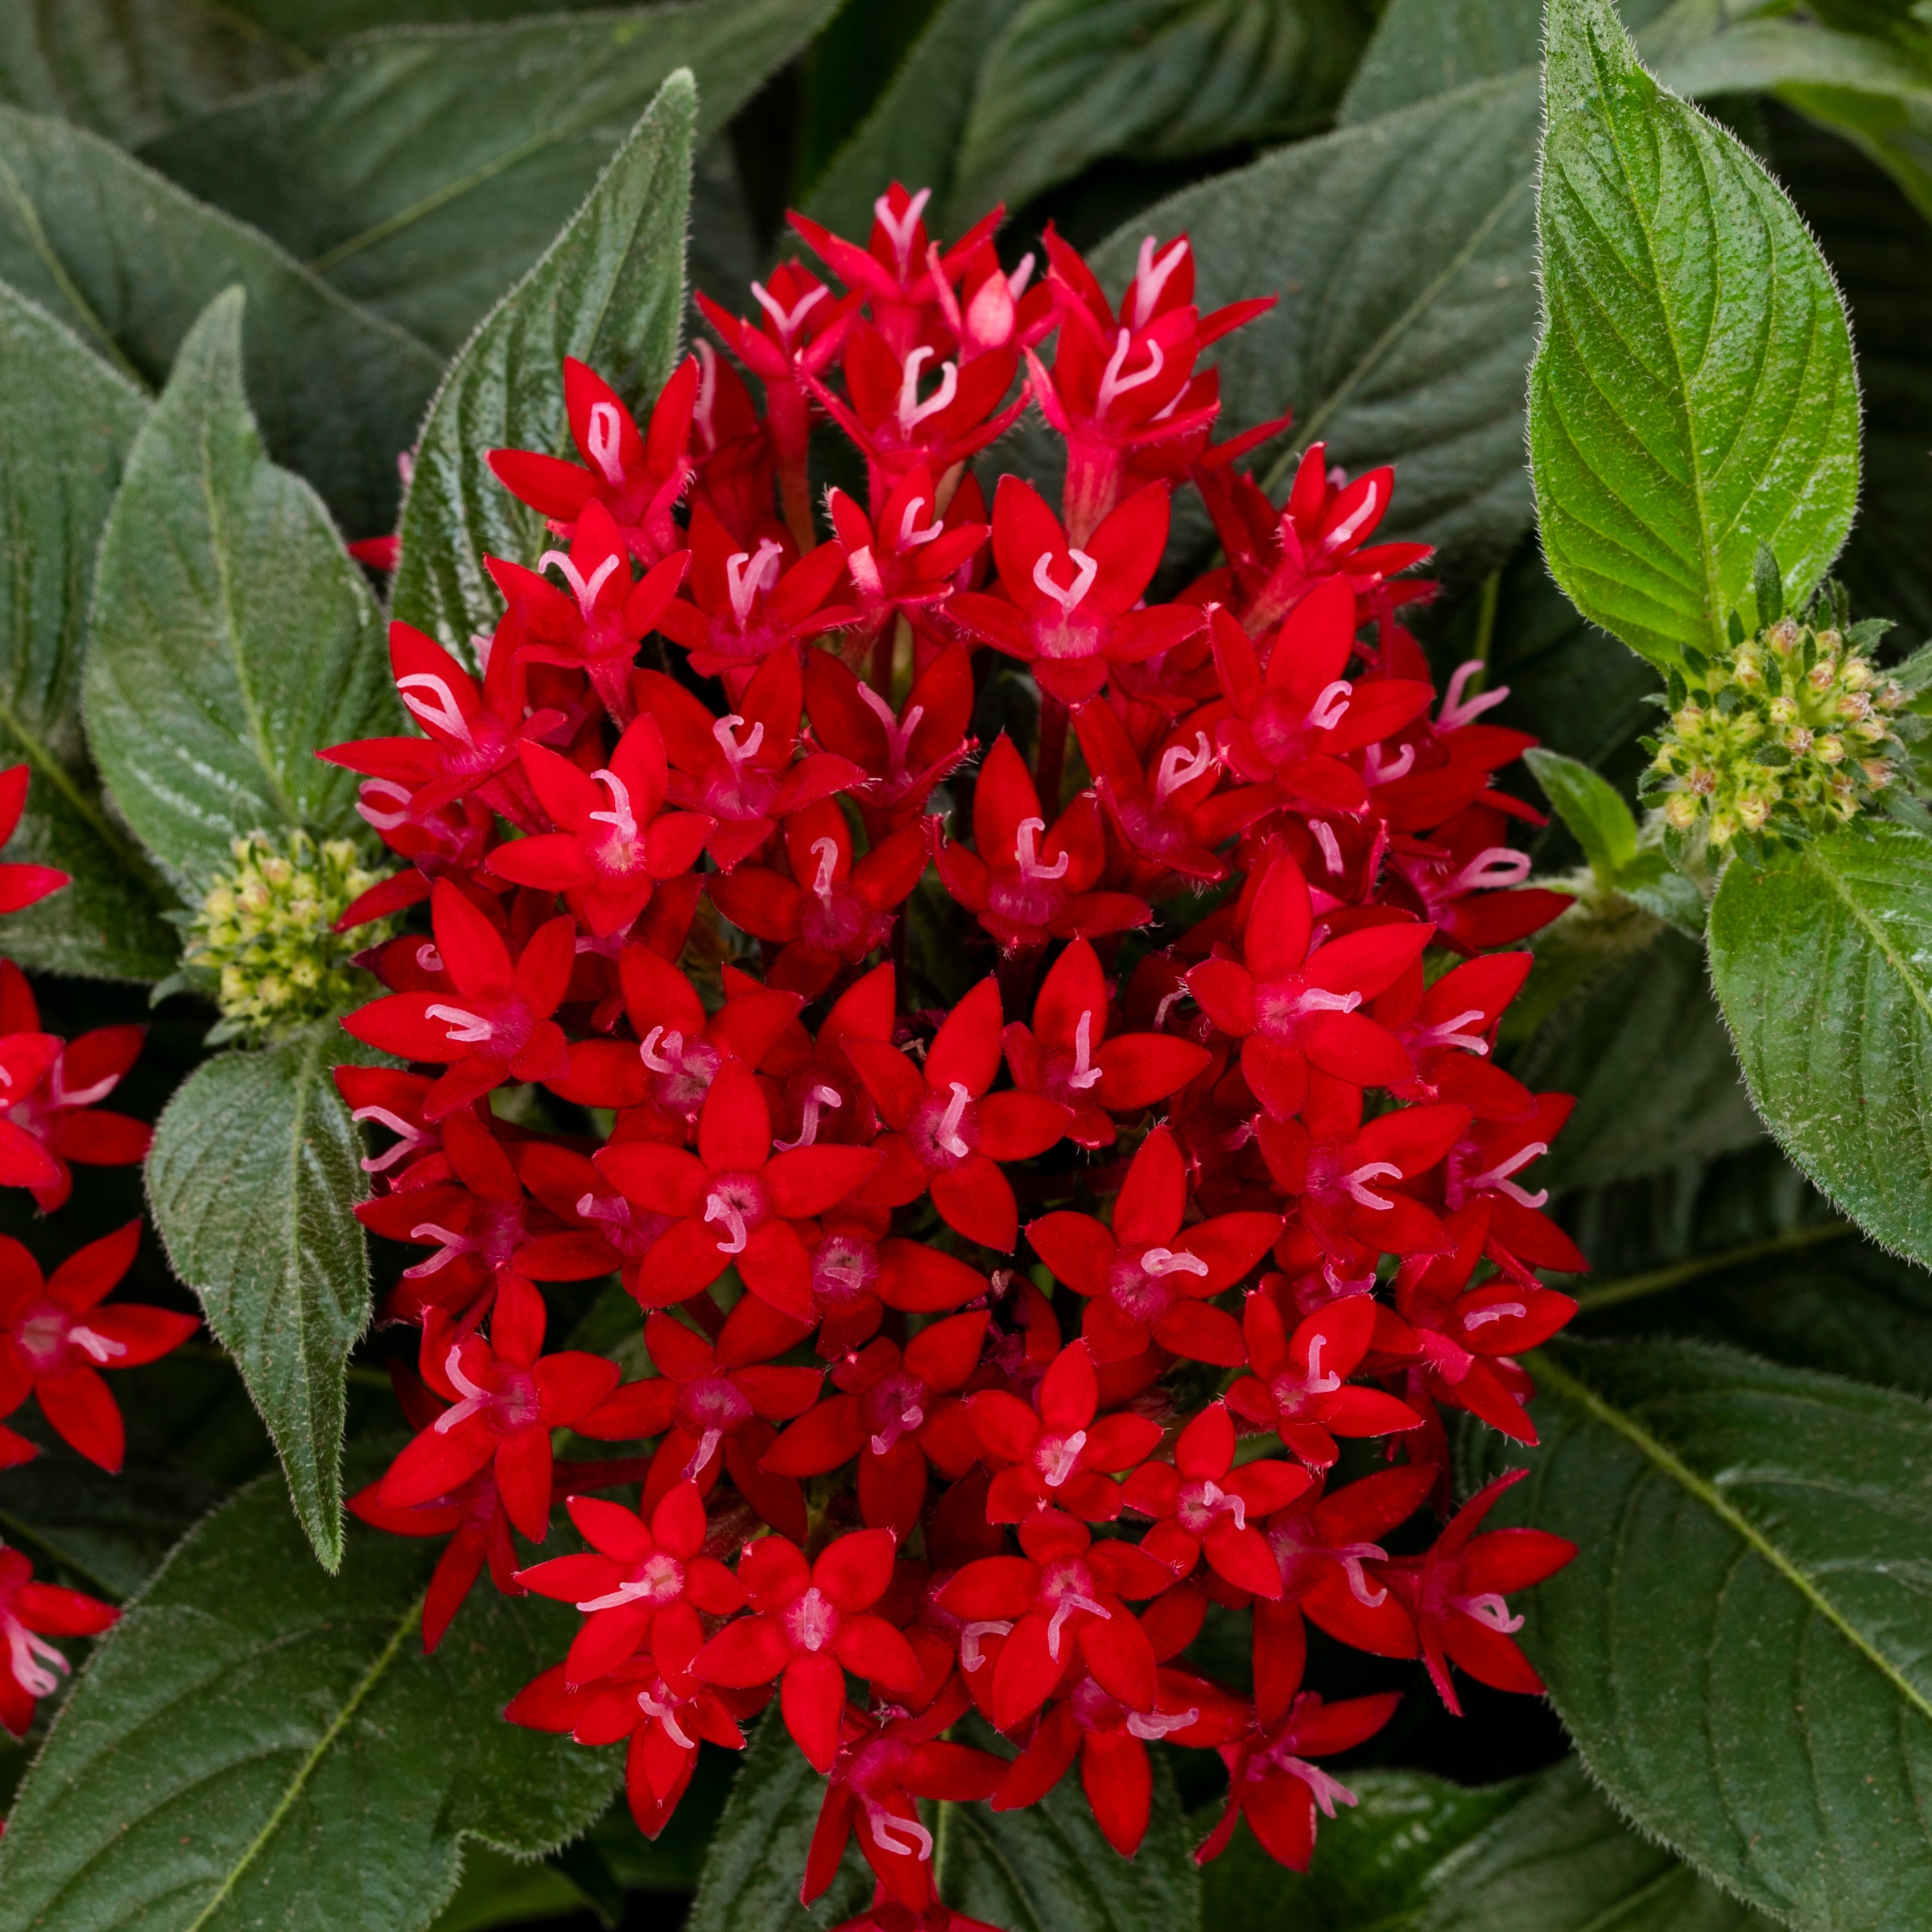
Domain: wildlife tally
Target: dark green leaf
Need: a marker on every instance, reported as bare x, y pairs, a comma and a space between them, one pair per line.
1740, 1649
253, 1179
66, 422
1070, 82
1600, 821
1693, 393
499, 1890
129, 262
128, 68
1643, 1050
1823, 960
422, 172
610, 291
752, 1873
258, 1743
914, 133
315, 26
232, 637
1541, 1854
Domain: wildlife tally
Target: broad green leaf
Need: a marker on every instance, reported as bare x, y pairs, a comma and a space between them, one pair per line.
758, 1857
1047, 1869
258, 1743
253, 1179
1069, 82
1643, 1050
609, 291
500, 1890
129, 263
1402, 253
1602, 825
1693, 395
232, 637
1743, 1648
315, 26
914, 133
1823, 960
128, 68
846, 71
422, 172
66, 422
1416, 1854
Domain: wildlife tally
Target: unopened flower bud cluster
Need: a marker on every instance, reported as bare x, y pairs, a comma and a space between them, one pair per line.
1795, 734
265, 934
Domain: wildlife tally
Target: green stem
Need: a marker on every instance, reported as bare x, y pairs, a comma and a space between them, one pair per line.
1656, 1281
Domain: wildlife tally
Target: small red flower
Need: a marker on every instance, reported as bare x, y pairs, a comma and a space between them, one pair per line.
903, 753
55, 1337
914, 556
30, 1613
1483, 1165
1299, 1385
21, 886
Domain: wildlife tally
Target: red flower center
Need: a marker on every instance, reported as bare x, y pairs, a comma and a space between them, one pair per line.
811, 1620
944, 1129
845, 1269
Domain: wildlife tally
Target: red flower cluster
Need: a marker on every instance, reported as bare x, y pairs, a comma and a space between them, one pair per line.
879, 1479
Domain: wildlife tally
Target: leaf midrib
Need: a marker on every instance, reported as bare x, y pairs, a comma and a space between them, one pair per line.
1573, 1389
1921, 996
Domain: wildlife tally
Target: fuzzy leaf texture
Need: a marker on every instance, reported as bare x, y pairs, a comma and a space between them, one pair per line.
1416, 1854
232, 635
1740, 1649
422, 170
252, 1179
1692, 394
609, 290
254, 1725
67, 423
130, 262
1823, 960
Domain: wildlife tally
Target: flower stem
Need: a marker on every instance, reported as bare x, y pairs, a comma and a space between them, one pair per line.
1052, 757
1656, 1280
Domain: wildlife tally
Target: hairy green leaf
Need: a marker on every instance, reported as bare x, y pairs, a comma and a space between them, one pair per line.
1070, 82
609, 291
128, 68
258, 1743
1823, 960
1600, 821
253, 1179
314, 27
1415, 1854
67, 422
129, 263
913, 133
1742, 1649
751, 1874
422, 171
1692, 394
232, 637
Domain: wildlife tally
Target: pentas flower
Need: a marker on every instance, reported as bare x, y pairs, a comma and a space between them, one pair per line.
1456, 1593
1149, 1278
889, 1914
50, 1119
1292, 1000
1436, 767
55, 1337
810, 1623
1027, 883
493, 1025
903, 753
22, 885
885, 1396
390, 1098
949, 1135
1448, 1029
1470, 884
1067, 1055
1483, 1165
1071, 610
742, 770
29, 1614
637, 479
913, 556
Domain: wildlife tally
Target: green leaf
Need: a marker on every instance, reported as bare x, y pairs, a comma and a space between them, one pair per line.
1822, 961
1643, 1049
315, 26
1047, 1869
1069, 82
752, 1873
500, 1890
129, 263
609, 291
253, 1179
913, 133
1402, 254
1416, 1854
1693, 393
67, 422
232, 637
258, 1743
1742, 1649
1602, 823
422, 172
128, 68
